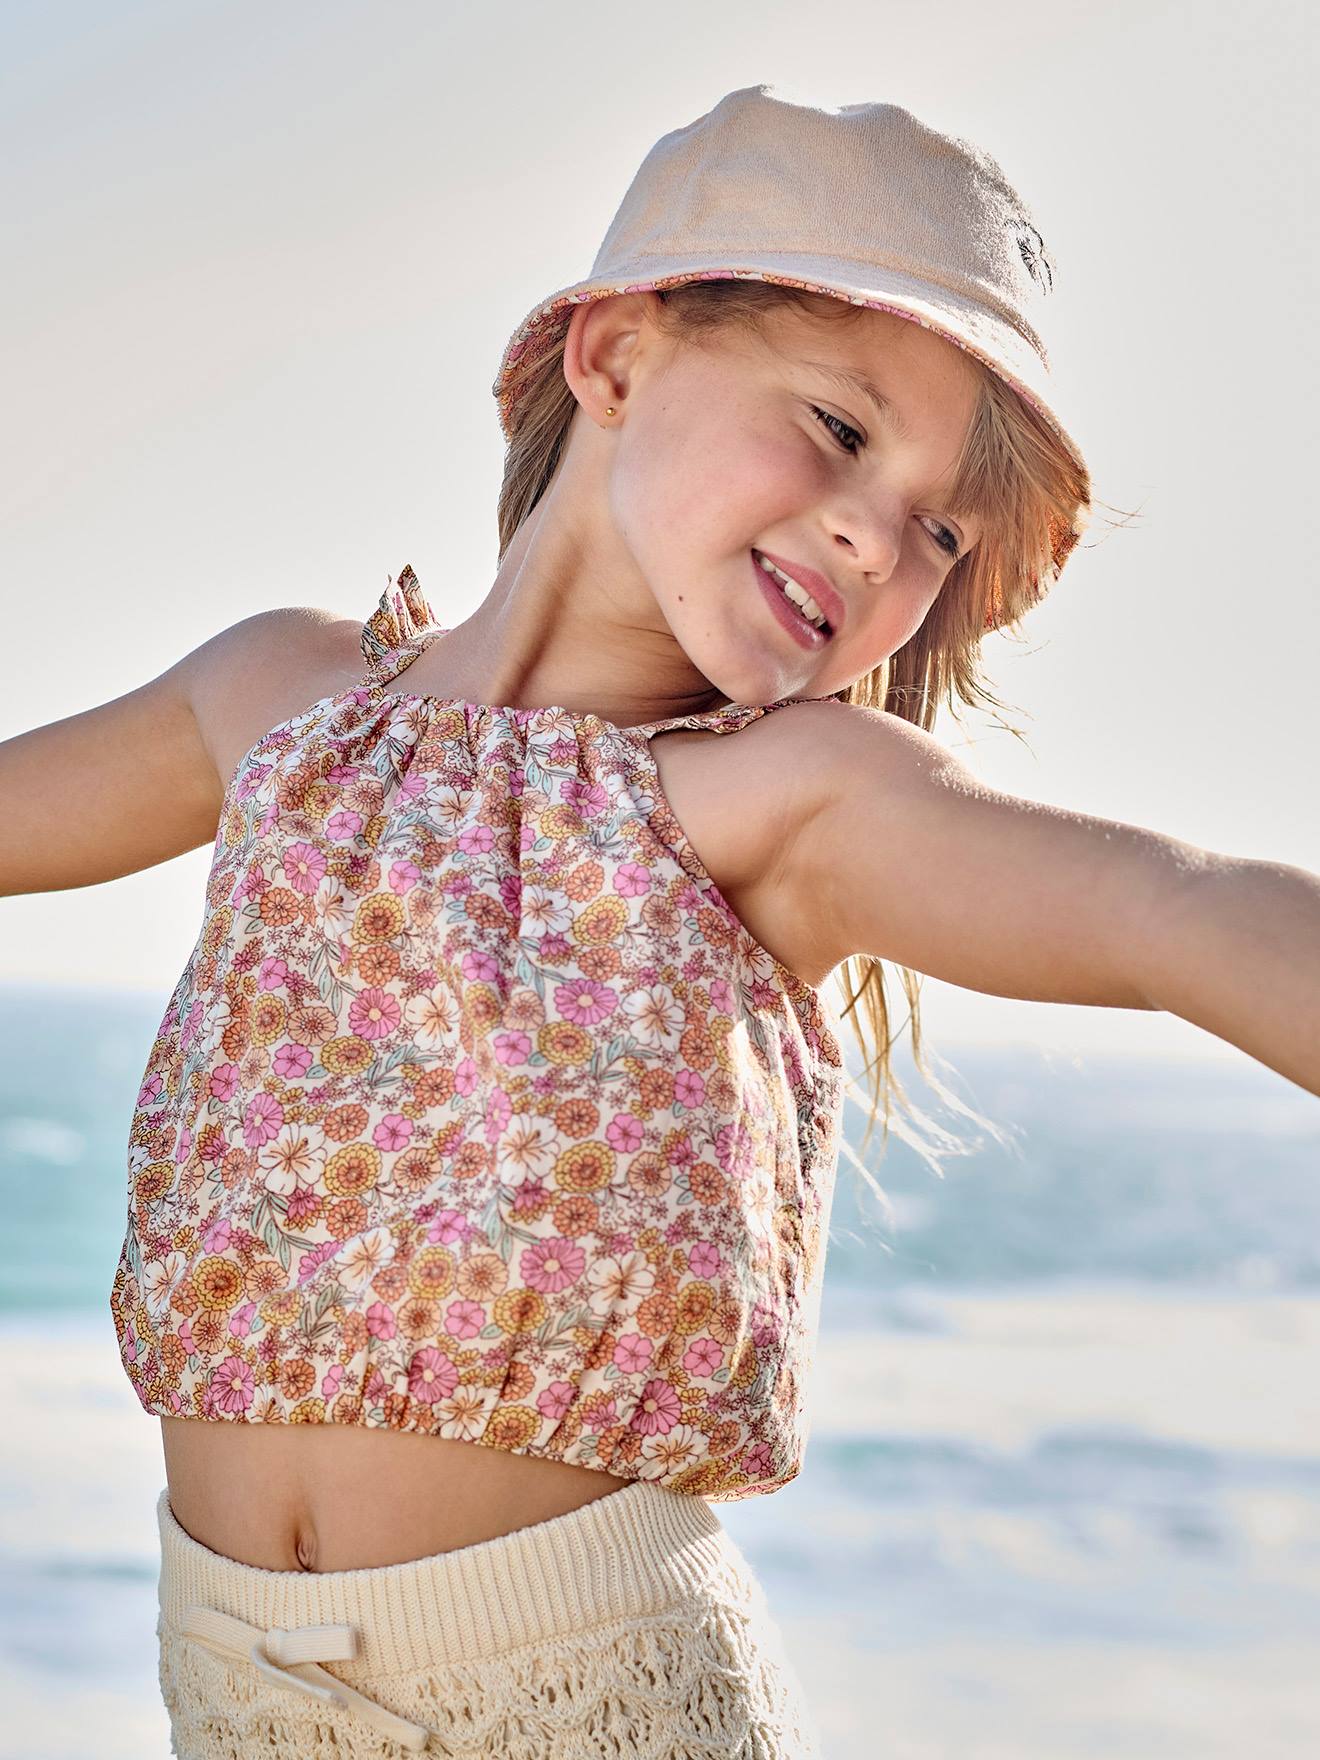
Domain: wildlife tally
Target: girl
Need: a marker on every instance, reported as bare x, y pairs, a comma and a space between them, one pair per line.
497, 1103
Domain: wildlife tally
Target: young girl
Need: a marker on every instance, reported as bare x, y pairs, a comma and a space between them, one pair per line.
497, 1103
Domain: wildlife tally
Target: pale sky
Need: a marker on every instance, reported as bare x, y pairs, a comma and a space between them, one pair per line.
263, 261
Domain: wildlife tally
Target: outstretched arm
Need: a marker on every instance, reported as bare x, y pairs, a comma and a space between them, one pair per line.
905, 854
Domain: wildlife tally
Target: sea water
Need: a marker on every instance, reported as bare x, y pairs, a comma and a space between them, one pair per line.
1062, 1492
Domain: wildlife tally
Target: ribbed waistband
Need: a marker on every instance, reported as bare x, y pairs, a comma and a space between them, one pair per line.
633, 1551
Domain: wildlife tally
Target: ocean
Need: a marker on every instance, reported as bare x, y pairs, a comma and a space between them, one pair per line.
1061, 1499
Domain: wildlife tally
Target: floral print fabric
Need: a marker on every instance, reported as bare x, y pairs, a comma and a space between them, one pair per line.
476, 1111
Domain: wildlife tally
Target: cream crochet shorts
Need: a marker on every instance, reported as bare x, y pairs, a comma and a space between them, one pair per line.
632, 1628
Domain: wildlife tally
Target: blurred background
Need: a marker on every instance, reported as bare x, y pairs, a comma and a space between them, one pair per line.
1062, 1497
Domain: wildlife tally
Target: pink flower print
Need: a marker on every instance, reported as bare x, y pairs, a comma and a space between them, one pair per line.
186, 1337
689, 1088
756, 1462
589, 798
314, 1258
528, 1194
556, 1400
224, 1082
343, 825
190, 1025
499, 1110
585, 1001
184, 1144
702, 1357
477, 840
631, 879
511, 892
658, 1410
377, 1386
448, 1227
216, 1238
262, 1120
512, 1047
291, 1061
253, 882
331, 1379
342, 774
465, 1319
404, 876
467, 1078
552, 1265
624, 1133
555, 948
271, 973
380, 1320
230, 1385
150, 1090
304, 867
240, 1321
412, 787
633, 1353
763, 993
479, 967
527, 837
303, 1201
599, 1413
374, 1013
131, 1350
683, 1152
392, 1133
432, 1375
704, 1259
251, 781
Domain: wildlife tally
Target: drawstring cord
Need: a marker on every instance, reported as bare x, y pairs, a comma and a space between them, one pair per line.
290, 1659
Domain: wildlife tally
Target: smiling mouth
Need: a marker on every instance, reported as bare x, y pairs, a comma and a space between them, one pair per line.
792, 593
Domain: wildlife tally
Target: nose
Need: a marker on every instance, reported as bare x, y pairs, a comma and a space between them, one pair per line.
874, 542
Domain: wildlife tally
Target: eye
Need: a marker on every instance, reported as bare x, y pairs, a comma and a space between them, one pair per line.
825, 417
947, 540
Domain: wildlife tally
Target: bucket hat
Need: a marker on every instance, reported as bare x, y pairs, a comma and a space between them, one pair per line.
862, 202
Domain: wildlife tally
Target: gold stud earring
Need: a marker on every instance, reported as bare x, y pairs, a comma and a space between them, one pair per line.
610, 410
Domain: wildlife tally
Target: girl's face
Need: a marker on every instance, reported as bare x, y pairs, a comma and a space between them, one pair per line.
751, 443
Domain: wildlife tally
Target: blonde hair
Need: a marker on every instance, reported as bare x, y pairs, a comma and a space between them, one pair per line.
1034, 501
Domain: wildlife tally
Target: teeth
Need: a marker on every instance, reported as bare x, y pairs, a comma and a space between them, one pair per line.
799, 595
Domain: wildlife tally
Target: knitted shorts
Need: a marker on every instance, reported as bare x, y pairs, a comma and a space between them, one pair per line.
631, 1628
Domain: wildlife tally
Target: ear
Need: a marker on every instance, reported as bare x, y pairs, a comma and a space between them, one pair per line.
602, 344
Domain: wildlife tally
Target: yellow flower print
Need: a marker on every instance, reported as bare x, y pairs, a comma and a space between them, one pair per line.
378, 918
519, 1310
352, 1170
601, 921
347, 1055
586, 1167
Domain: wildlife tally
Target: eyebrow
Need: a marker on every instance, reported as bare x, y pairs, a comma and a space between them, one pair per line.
862, 386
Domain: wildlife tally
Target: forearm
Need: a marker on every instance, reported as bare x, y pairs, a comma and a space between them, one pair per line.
1238, 953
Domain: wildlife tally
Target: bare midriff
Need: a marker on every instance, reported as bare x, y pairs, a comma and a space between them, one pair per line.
335, 1497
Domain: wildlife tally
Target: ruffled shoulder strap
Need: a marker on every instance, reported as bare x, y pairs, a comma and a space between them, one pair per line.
402, 624
726, 720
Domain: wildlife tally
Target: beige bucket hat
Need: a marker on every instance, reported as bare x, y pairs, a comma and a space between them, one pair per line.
863, 202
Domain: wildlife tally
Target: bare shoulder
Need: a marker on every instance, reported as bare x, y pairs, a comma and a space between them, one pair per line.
264, 669
906, 854
744, 801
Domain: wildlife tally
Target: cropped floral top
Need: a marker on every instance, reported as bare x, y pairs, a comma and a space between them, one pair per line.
476, 1110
